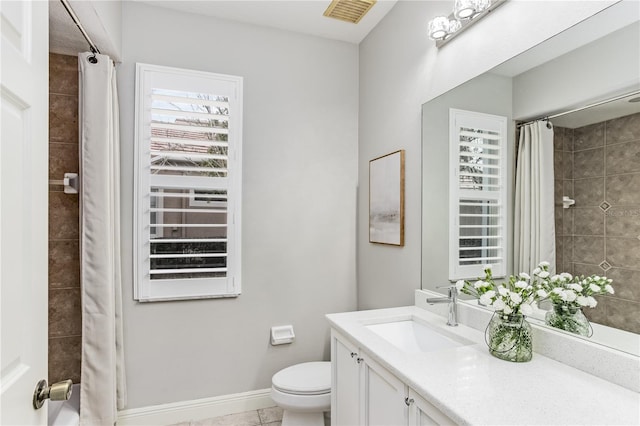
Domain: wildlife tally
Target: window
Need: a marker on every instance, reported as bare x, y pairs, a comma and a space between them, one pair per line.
155, 206
188, 183
477, 194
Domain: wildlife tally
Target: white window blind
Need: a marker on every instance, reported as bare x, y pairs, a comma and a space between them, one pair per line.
477, 194
188, 137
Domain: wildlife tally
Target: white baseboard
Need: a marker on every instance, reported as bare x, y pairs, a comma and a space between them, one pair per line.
184, 411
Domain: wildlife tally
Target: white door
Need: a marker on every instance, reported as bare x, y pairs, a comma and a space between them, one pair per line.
24, 151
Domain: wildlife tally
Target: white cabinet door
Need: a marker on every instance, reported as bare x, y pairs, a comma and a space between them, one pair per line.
345, 382
383, 397
423, 413
24, 152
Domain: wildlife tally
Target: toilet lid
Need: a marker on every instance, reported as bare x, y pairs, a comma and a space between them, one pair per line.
309, 378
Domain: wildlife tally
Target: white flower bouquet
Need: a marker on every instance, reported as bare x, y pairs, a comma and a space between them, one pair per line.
569, 295
515, 296
577, 291
509, 334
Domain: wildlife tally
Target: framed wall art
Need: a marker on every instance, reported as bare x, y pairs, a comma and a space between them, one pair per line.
386, 199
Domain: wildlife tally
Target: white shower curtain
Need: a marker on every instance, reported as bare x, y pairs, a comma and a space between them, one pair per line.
102, 389
534, 224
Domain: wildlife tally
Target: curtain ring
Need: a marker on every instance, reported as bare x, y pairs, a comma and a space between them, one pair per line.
92, 59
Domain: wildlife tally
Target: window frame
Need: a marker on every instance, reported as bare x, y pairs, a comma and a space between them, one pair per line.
150, 77
486, 122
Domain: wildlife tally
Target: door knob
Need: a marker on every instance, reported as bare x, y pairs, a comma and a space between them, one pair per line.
60, 391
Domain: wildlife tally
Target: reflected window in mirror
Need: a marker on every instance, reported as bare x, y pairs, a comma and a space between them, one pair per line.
477, 194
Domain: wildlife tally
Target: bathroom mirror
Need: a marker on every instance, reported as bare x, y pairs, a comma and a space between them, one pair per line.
596, 158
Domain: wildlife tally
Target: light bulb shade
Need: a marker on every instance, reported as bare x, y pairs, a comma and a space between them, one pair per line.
482, 5
438, 28
454, 25
464, 9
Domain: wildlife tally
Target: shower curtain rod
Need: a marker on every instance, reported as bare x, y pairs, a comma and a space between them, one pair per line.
74, 17
560, 114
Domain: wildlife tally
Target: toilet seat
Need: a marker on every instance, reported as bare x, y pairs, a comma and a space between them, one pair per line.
309, 378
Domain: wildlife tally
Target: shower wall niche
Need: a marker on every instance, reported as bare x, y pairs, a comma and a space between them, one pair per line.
65, 318
599, 166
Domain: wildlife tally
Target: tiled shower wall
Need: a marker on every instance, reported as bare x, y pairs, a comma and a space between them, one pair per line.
65, 321
599, 166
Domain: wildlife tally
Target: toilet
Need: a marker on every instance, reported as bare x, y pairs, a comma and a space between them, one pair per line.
303, 391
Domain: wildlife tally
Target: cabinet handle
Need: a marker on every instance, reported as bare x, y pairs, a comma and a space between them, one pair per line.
353, 354
359, 360
408, 401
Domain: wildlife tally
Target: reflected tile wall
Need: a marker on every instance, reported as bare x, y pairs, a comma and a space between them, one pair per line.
603, 236
65, 320
563, 182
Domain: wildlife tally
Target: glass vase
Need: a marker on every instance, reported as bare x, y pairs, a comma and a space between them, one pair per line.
510, 337
569, 318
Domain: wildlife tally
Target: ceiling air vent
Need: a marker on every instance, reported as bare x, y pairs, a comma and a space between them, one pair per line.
349, 10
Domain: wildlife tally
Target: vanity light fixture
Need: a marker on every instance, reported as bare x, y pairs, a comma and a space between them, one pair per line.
465, 13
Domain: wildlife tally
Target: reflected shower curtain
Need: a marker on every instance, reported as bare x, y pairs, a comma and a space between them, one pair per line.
102, 389
534, 223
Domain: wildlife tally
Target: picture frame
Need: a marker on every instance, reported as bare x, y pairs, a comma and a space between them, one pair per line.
386, 199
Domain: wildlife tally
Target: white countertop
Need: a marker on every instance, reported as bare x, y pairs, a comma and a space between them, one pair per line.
472, 387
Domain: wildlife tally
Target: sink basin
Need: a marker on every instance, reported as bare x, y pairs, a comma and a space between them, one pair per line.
413, 336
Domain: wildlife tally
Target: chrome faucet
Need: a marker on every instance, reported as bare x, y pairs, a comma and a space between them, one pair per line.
452, 320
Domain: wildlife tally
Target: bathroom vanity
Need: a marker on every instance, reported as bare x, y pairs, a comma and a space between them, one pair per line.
405, 366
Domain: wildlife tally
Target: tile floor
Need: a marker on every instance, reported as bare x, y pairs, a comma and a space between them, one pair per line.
271, 416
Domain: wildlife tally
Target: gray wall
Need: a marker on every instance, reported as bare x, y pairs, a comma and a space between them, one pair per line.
604, 68
299, 207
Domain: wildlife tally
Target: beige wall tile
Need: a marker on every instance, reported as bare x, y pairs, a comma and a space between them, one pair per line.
568, 249
588, 221
588, 249
587, 269
623, 158
558, 215
623, 189
64, 216
559, 254
65, 312
64, 264
568, 140
588, 192
63, 158
558, 191
63, 74
558, 170
567, 188
588, 163
63, 118
623, 314
626, 283
65, 354
623, 221
586, 137
558, 138
623, 252
567, 221
599, 313
623, 129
